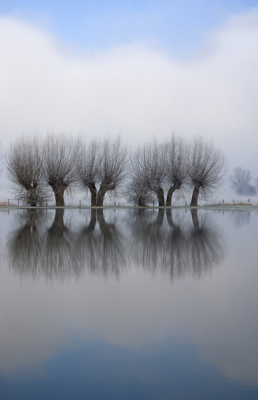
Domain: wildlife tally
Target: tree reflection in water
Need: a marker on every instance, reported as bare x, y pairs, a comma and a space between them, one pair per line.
173, 245
147, 238
205, 245
178, 247
60, 258
101, 251
25, 245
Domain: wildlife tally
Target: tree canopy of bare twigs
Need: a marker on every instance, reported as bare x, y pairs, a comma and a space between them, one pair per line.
60, 155
148, 169
137, 193
101, 163
112, 168
207, 168
176, 165
25, 169
240, 182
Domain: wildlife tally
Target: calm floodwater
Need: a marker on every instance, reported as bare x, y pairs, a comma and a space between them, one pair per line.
128, 305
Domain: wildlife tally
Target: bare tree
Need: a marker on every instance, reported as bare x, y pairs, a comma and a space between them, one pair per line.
138, 193
240, 182
25, 169
206, 169
112, 168
148, 168
60, 155
176, 165
87, 167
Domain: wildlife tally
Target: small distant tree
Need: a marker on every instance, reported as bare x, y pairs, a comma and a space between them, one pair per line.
240, 182
25, 169
148, 166
137, 193
87, 167
60, 156
112, 167
176, 165
206, 168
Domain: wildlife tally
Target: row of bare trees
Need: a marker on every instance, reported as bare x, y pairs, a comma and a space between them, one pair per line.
60, 162
174, 165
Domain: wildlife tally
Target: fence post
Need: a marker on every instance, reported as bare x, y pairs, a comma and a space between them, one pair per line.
223, 203
233, 201
8, 202
185, 203
80, 203
18, 203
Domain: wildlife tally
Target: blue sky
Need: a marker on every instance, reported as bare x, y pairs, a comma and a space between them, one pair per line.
177, 26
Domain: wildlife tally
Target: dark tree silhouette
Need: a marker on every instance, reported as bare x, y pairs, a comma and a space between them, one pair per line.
25, 169
112, 168
87, 167
60, 155
137, 193
206, 169
148, 169
176, 165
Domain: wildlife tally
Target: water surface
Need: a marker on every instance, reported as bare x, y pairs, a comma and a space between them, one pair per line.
128, 304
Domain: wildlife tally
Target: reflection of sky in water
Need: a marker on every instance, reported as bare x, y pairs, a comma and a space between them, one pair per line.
128, 305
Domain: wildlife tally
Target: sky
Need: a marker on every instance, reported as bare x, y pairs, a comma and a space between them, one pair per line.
140, 68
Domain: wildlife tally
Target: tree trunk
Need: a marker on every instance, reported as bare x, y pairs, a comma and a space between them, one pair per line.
172, 189
93, 192
101, 194
141, 203
160, 195
32, 198
59, 196
195, 196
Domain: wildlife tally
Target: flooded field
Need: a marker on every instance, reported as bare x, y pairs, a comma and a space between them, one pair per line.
129, 304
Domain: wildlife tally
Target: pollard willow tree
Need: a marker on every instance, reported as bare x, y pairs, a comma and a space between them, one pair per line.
87, 167
148, 168
207, 168
176, 165
60, 155
24, 164
112, 168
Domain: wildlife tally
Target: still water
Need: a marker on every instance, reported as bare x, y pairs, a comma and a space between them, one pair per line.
128, 304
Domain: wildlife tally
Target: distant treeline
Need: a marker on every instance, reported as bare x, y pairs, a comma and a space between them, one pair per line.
240, 182
61, 163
